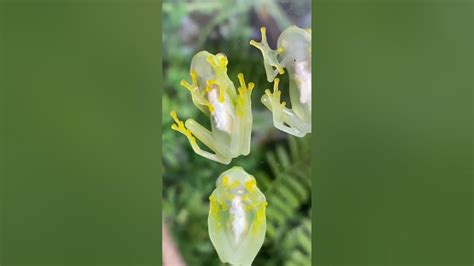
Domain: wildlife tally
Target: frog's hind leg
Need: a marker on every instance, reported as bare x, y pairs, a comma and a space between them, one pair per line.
193, 130
283, 118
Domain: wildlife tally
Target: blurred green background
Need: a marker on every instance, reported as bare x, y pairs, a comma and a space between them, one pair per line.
281, 165
80, 182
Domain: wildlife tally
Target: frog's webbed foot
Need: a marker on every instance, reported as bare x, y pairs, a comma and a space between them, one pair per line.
270, 59
283, 118
193, 130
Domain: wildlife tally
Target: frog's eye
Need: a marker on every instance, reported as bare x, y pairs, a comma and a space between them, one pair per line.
222, 58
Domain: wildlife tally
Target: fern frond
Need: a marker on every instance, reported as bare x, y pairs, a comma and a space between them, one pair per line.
290, 187
298, 244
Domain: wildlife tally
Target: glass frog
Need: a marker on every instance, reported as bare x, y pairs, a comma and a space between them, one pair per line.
229, 110
237, 222
293, 53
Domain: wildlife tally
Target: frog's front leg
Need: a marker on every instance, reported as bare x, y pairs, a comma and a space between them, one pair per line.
270, 57
242, 133
283, 118
197, 95
193, 130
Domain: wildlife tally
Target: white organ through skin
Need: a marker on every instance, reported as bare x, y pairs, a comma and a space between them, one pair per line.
303, 76
229, 110
221, 116
239, 223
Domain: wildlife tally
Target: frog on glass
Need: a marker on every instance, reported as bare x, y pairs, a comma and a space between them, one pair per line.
237, 222
293, 53
229, 110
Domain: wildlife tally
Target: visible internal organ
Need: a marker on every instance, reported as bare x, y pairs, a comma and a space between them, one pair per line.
237, 222
238, 219
303, 77
228, 109
221, 114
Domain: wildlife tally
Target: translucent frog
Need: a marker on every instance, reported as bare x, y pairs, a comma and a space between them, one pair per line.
237, 222
293, 53
229, 110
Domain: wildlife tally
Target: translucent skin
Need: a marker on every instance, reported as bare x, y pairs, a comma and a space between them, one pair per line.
229, 111
293, 54
237, 222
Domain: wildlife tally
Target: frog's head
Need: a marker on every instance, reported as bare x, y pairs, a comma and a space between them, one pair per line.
206, 66
296, 43
218, 62
236, 180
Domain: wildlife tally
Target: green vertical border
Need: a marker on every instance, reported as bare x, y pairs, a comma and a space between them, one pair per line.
157, 85
160, 111
314, 134
3, 170
318, 11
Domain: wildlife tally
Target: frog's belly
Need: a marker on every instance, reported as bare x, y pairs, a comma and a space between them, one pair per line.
300, 90
238, 219
221, 116
303, 82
